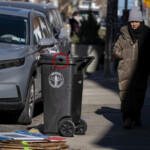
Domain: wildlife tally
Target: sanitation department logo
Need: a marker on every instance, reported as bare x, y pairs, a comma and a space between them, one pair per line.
56, 80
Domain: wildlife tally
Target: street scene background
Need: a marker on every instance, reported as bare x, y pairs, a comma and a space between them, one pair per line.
100, 101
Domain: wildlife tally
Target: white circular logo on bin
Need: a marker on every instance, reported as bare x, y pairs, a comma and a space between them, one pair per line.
56, 80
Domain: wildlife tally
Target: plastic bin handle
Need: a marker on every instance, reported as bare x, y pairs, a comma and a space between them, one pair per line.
80, 66
87, 61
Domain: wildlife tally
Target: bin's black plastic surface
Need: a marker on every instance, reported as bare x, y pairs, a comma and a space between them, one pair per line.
62, 90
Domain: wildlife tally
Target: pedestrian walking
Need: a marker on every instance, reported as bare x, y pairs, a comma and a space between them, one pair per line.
75, 23
133, 51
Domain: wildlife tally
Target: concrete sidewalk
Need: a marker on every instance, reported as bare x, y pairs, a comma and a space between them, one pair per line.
101, 111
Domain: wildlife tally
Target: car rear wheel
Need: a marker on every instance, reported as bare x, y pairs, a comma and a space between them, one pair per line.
27, 113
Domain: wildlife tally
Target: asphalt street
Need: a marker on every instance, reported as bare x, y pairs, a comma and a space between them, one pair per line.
101, 111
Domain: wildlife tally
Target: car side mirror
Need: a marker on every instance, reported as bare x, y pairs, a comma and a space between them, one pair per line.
56, 32
46, 42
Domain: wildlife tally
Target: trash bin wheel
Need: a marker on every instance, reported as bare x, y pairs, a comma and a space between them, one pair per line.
81, 127
66, 128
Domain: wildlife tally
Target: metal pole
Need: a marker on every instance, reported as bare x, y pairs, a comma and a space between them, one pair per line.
110, 35
148, 17
126, 4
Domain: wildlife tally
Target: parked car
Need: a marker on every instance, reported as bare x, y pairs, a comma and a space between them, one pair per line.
54, 19
84, 10
24, 34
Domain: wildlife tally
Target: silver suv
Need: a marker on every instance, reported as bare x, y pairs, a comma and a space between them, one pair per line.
54, 20
24, 34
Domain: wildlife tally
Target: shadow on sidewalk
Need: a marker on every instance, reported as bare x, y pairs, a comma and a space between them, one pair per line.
4, 115
106, 82
117, 138
122, 139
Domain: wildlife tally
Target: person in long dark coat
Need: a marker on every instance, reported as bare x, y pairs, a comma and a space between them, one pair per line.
75, 23
133, 50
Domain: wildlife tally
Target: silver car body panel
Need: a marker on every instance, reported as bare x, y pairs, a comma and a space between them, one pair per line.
14, 80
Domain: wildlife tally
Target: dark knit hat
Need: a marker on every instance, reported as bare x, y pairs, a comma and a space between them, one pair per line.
135, 14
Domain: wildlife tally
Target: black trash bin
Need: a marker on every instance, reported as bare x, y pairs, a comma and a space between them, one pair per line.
62, 94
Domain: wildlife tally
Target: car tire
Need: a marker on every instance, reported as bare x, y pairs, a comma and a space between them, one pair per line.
27, 113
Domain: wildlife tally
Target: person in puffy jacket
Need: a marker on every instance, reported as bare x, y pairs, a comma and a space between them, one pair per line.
133, 51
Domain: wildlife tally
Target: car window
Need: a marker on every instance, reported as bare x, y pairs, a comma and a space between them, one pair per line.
60, 18
44, 28
51, 20
37, 33
56, 19
84, 14
13, 30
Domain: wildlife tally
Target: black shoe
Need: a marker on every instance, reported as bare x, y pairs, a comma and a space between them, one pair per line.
128, 123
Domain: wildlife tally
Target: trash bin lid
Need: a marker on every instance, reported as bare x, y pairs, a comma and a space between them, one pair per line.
59, 59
